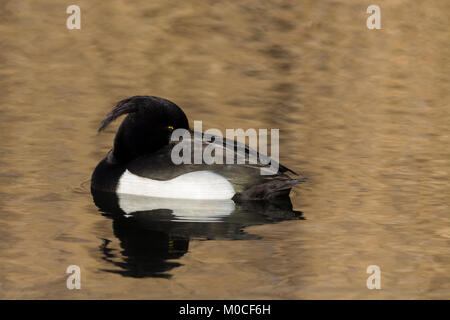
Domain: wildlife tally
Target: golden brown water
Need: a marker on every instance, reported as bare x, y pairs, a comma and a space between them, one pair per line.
363, 113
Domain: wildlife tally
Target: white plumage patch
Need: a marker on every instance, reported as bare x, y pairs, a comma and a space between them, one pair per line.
205, 185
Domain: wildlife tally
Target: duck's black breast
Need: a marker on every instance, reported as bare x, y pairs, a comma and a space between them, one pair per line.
107, 174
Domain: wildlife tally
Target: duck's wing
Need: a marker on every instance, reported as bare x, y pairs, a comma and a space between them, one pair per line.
234, 147
245, 178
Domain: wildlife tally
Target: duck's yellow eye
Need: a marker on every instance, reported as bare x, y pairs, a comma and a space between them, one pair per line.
170, 127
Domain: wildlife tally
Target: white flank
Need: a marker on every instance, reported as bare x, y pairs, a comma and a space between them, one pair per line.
204, 185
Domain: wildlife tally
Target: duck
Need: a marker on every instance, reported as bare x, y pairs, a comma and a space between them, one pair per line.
140, 162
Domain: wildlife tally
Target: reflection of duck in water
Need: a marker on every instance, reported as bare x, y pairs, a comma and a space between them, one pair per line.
188, 200
154, 231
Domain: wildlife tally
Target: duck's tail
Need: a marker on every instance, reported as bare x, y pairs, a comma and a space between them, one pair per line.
275, 189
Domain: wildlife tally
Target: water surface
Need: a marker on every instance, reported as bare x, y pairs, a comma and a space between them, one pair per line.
364, 114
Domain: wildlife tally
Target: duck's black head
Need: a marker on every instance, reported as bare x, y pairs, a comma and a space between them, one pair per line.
147, 127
